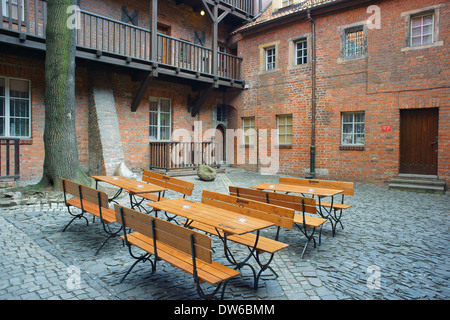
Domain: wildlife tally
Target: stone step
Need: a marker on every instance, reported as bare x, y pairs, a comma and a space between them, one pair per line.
424, 183
416, 181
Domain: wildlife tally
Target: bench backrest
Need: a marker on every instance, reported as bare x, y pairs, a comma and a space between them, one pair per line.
282, 217
302, 204
171, 183
169, 233
348, 187
85, 193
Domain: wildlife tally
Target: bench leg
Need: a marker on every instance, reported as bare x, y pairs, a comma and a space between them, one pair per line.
143, 258
309, 237
75, 216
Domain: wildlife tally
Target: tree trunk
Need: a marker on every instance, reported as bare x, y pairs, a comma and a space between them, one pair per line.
60, 143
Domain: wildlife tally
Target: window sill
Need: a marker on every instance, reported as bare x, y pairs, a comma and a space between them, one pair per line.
350, 59
426, 46
246, 145
283, 146
351, 148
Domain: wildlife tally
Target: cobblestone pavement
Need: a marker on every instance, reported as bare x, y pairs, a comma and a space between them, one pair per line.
394, 245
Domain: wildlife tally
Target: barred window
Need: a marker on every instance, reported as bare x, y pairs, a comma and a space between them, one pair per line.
160, 119
354, 44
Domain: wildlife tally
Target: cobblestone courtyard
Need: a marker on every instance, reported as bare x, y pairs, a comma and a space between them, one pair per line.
394, 245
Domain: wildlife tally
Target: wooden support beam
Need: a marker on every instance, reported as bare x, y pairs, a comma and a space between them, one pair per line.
154, 30
201, 100
141, 92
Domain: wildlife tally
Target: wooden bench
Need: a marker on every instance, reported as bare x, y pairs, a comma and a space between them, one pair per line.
348, 188
282, 217
180, 186
181, 247
302, 205
88, 200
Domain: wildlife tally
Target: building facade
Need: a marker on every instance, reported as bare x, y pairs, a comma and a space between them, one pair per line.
361, 86
357, 89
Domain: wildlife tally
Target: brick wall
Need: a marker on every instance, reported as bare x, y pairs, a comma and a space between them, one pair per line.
390, 78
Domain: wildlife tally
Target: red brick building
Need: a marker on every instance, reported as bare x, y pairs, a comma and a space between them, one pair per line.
358, 89
379, 84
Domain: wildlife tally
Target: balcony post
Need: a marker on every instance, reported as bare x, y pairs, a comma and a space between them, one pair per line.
154, 31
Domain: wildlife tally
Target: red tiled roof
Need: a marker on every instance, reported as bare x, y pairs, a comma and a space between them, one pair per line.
268, 15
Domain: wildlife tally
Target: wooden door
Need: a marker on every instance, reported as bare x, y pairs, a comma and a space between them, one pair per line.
418, 141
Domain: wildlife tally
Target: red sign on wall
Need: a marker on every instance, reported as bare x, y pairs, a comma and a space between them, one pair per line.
386, 128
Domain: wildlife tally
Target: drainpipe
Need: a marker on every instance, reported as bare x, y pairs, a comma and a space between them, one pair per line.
312, 168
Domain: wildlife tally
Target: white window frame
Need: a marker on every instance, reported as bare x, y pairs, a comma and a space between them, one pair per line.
355, 54
158, 117
286, 3
303, 50
267, 54
7, 105
421, 26
286, 126
354, 125
248, 131
15, 4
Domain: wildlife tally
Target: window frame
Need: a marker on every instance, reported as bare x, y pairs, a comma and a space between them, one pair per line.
158, 125
296, 50
286, 134
421, 16
286, 3
360, 47
251, 135
353, 133
15, 3
409, 15
266, 58
344, 31
7, 106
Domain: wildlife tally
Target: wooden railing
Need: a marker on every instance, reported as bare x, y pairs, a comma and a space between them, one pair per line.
182, 155
9, 159
105, 35
244, 5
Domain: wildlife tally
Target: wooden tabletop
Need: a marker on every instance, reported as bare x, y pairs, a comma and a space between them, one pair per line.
321, 192
130, 185
228, 221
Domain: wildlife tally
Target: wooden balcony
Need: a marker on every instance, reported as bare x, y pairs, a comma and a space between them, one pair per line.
106, 40
172, 155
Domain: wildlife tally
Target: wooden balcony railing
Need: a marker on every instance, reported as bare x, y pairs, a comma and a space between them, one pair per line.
182, 155
105, 35
9, 159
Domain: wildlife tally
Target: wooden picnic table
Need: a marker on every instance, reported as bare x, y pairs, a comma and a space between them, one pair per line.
225, 222
133, 187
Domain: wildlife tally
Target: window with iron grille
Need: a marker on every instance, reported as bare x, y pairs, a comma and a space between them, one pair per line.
160, 119
248, 126
353, 129
284, 126
354, 42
